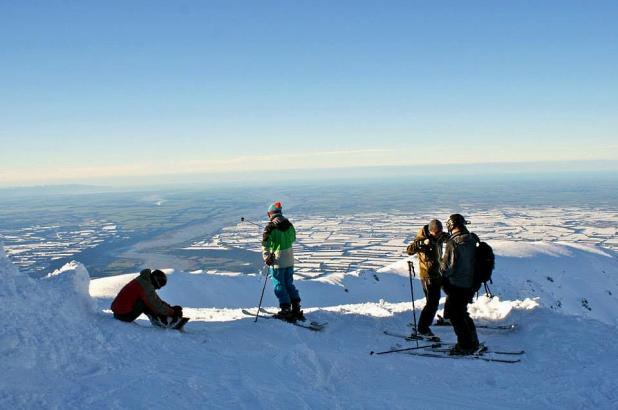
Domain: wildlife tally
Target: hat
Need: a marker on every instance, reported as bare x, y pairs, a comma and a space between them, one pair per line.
456, 221
158, 278
275, 208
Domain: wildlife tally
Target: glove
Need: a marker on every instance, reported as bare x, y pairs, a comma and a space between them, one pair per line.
177, 311
410, 249
270, 260
424, 245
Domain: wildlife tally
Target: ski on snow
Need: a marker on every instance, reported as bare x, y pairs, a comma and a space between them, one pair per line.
433, 339
312, 323
506, 352
480, 356
509, 326
315, 326
440, 347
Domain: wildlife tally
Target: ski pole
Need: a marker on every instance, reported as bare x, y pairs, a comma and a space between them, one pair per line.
257, 314
410, 272
242, 219
261, 297
433, 345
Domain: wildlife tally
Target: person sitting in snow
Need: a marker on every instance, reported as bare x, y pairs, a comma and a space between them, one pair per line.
428, 246
140, 296
277, 240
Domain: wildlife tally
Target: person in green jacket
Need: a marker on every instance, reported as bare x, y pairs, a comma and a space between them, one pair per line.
279, 235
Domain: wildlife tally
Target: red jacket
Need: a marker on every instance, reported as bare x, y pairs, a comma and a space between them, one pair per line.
140, 288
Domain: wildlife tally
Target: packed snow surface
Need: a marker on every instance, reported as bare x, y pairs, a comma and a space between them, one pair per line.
61, 348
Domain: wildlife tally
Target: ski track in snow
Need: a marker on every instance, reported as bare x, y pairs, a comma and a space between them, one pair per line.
62, 348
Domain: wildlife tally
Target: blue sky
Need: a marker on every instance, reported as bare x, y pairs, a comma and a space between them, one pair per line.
94, 90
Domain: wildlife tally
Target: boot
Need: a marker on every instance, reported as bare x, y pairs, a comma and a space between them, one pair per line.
426, 333
442, 321
457, 350
285, 313
298, 314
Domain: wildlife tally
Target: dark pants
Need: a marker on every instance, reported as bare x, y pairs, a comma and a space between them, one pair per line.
432, 301
456, 309
139, 308
156, 320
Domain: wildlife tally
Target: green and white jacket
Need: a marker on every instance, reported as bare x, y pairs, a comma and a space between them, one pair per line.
278, 237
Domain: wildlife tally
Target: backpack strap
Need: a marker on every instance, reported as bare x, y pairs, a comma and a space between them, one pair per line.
476, 237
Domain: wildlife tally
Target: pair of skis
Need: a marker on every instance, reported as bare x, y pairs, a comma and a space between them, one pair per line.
485, 356
314, 326
441, 346
445, 322
442, 349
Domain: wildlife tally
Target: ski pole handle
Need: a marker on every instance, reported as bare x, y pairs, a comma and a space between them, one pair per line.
411, 268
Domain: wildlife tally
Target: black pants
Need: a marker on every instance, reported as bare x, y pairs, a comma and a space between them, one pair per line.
456, 309
139, 308
432, 301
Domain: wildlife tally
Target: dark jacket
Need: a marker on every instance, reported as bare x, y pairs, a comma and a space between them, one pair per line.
428, 255
457, 264
140, 288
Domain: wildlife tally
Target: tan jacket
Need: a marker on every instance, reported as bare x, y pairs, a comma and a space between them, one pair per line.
428, 255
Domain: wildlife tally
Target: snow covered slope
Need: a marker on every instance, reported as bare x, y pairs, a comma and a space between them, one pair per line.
60, 348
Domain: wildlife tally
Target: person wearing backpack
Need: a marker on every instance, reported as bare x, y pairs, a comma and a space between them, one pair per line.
428, 246
458, 280
278, 255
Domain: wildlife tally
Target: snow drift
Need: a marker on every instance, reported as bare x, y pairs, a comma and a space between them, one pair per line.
45, 317
62, 349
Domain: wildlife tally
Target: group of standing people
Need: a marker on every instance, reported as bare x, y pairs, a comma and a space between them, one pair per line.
447, 262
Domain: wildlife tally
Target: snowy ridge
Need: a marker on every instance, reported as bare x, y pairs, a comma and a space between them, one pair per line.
49, 331
58, 332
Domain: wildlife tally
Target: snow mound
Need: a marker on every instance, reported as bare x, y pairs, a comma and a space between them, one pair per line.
44, 318
73, 281
573, 279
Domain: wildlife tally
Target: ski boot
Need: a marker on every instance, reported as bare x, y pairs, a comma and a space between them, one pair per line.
298, 314
285, 313
458, 350
441, 321
424, 335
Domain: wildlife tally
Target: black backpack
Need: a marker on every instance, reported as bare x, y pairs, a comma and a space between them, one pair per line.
485, 262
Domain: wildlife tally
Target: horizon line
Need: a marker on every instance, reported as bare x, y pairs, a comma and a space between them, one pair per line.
445, 169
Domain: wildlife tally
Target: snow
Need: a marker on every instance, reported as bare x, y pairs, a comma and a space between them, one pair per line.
61, 348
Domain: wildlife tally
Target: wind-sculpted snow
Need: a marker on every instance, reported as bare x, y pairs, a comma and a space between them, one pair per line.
59, 352
56, 311
572, 279
73, 281
49, 332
